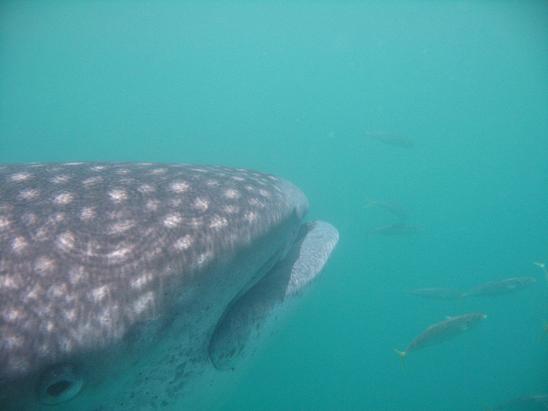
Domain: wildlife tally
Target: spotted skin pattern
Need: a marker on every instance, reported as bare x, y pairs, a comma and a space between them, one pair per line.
89, 250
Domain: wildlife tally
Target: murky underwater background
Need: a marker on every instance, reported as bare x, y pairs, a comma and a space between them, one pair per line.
328, 94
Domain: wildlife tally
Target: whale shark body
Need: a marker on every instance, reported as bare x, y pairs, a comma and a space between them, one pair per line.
126, 286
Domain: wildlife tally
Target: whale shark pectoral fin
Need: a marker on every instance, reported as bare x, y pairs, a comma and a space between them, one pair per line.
245, 320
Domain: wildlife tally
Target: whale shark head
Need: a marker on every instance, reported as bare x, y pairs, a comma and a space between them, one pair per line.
123, 285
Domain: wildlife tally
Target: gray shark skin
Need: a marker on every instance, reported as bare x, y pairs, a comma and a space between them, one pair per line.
115, 277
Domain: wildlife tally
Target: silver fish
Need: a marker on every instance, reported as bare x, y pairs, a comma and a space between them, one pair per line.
499, 287
528, 403
119, 282
542, 266
442, 331
392, 208
392, 139
396, 229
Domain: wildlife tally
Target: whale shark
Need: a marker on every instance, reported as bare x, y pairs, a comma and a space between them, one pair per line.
130, 286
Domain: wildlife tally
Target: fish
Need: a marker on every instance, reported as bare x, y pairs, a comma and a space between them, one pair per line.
442, 331
392, 208
543, 268
121, 284
391, 139
395, 229
537, 402
437, 293
499, 287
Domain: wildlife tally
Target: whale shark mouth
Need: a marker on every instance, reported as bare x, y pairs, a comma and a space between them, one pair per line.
242, 324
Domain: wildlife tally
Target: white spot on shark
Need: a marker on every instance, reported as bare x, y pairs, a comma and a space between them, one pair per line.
200, 204
63, 198
13, 315
118, 195
57, 291
19, 244
146, 188
231, 209
87, 214
250, 216
76, 275
99, 294
120, 253
43, 265
183, 243
232, 194
29, 194
204, 258
33, 294
90, 181
29, 219
152, 205
143, 302
9, 281
264, 193
66, 240
14, 341
172, 220
121, 227
140, 281
19, 177
179, 186
218, 222
4, 222
158, 171
60, 179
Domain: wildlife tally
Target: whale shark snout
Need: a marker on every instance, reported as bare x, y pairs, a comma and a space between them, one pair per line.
131, 286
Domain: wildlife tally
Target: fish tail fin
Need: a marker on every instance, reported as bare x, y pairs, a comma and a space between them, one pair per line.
544, 332
542, 266
402, 355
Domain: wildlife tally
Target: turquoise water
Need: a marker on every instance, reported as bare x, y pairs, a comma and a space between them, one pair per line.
293, 88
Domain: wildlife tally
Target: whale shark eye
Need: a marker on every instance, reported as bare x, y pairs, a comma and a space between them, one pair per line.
59, 383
